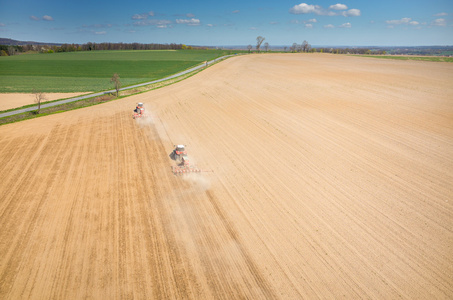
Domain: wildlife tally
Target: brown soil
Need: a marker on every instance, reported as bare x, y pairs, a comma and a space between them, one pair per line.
332, 179
13, 100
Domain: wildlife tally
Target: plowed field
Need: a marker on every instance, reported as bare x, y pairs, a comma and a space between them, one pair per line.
332, 178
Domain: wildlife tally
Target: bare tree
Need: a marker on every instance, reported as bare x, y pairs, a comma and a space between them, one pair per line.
11, 50
39, 97
294, 47
249, 47
116, 81
266, 46
305, 46
284, 48
259, 41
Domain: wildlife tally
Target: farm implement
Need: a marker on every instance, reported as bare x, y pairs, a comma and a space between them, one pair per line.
183, 165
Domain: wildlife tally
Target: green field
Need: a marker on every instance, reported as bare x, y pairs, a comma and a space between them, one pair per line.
92, 70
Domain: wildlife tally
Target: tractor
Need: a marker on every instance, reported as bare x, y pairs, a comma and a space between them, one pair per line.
139, 111
179, 152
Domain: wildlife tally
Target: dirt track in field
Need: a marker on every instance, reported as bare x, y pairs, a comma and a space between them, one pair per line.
332, 179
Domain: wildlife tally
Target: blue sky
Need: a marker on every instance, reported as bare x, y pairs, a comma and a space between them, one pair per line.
234, 22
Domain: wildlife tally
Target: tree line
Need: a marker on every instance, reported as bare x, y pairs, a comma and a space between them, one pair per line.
7, 50
305, 47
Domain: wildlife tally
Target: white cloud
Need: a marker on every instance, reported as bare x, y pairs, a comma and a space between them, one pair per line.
305, 8
157, 23
47, 18
303, 21
235, 11
97, 26
329, 26
273, 23
338, 6
44, 18
402, 21
442, 14
2, 25
398, 22
334, 10
439, 22
351, 13
345, 25
309, 25
189, 15
139, 17
190, 22
210, 25
143, 16
100, 32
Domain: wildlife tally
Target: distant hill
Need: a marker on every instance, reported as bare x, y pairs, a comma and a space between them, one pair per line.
11, 42
435, 50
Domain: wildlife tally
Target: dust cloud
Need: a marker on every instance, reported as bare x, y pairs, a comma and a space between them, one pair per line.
198, 181
147, 122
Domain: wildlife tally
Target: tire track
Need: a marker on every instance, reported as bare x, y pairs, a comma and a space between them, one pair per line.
260, 281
